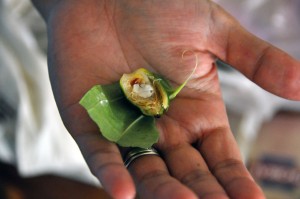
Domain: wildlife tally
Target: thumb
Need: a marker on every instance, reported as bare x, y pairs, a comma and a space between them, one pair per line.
267, 66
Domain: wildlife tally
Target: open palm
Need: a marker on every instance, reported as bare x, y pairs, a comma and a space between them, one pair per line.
95, 42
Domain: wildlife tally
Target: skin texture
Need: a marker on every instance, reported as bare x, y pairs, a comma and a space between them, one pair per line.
95, 42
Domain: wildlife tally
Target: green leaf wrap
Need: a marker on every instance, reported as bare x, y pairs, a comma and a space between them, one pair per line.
118, 120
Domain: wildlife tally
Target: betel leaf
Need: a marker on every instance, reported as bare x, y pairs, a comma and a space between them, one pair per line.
125, 111
118, 120
150, 92
145, 91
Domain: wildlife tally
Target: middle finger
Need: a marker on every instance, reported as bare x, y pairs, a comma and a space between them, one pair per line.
186, 164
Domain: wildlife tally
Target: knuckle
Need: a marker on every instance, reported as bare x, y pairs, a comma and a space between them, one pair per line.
227, 164
153, 175
196, 176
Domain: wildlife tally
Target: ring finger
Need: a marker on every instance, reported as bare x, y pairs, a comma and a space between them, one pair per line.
153, 180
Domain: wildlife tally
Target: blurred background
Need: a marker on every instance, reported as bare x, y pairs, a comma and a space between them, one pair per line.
38, 155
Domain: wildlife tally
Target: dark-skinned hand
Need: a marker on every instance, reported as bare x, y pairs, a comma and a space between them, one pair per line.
94, 42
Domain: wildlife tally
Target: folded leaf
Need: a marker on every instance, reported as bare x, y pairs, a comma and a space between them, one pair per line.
145, 91
118, 120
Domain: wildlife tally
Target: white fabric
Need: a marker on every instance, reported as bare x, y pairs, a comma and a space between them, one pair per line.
276, 21
36, 142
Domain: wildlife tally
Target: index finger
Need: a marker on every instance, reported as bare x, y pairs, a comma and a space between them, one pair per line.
222, 156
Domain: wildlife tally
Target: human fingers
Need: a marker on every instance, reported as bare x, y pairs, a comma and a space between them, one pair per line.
263, 63
266, 65
106, 164
222, 157
186, 164
153, 180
